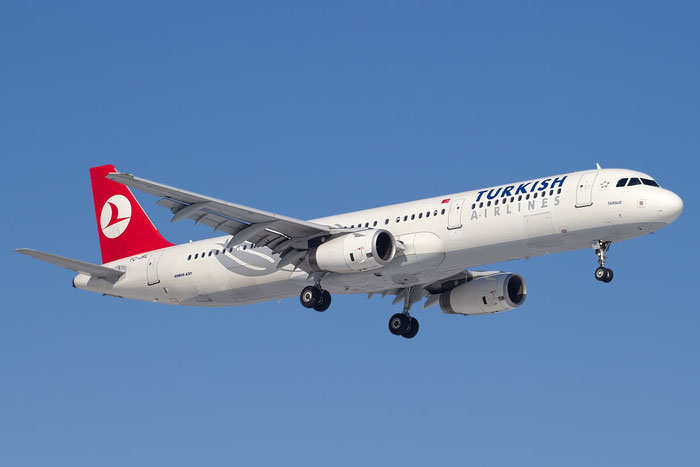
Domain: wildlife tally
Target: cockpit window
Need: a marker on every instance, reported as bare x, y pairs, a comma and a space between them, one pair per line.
621, 182
634, 181
649, 182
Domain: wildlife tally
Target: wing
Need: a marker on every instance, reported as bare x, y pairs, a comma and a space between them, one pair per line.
90, 269
280, 233
433, 290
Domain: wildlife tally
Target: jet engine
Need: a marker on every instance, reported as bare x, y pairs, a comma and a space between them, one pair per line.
354, 252
490, 294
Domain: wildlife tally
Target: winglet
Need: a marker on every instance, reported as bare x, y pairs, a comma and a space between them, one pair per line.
597, 165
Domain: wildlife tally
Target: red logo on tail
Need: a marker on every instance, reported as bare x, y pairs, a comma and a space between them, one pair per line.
115, 216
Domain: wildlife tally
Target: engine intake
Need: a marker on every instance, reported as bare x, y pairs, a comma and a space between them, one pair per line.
491, 294
354, 252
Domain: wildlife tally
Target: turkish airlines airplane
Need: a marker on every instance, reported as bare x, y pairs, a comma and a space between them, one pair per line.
413, 251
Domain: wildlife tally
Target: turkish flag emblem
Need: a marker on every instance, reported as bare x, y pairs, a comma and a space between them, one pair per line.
446, 200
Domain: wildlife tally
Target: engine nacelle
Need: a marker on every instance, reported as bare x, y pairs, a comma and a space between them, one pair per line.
491, 294
354, 252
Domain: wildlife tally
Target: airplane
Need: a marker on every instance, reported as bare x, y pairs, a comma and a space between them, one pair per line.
423, 249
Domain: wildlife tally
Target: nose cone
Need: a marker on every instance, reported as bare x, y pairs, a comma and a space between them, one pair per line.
670, 206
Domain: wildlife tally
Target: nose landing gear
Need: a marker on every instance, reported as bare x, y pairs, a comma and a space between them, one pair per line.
602, 273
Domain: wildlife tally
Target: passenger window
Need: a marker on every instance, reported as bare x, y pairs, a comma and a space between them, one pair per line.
435, 213
196, 255
495, 203
443, 212
374, 224
559, 191
473, 205
648, 182
427, 214
551, 192
481, 204
420, 215
398, 219
413, 216
520, 197
535, 196
189, 257
405, 218
621, 182
527, 196
386, 221
634, 181
366, 224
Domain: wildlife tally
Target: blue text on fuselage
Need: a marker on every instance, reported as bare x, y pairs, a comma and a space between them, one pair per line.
527, 187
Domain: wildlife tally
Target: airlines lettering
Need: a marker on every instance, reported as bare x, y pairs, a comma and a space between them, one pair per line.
515, 207
539, 185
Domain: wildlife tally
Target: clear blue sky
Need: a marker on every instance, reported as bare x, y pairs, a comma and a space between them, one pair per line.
309, 109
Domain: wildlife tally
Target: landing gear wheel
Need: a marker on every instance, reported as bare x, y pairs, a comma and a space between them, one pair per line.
604, 274
398, 324
311, 297
412, 329
608, 275
600, 273
325, 301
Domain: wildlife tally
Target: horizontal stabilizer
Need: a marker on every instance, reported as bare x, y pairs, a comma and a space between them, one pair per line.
90, 269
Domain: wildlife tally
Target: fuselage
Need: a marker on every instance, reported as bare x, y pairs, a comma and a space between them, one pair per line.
438, 237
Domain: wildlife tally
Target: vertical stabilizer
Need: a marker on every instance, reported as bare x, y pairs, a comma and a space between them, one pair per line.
122, 225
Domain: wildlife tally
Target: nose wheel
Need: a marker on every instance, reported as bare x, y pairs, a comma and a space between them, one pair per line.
602, 273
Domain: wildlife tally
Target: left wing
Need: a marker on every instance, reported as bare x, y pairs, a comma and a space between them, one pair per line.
413, 294
280, 233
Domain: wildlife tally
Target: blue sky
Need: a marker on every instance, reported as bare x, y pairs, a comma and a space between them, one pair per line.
309, 109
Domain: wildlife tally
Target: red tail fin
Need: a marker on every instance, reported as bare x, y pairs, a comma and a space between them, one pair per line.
122, 225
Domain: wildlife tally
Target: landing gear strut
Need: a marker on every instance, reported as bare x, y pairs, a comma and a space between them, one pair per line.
403, 324
602, 273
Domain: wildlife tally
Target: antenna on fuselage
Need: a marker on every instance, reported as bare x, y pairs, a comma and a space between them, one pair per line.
597, 165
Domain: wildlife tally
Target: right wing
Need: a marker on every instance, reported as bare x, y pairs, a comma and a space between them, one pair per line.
280, 233
90, 269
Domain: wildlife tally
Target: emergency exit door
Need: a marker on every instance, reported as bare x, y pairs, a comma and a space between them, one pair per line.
454, 218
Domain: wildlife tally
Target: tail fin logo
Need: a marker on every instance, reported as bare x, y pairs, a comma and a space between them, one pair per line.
115, 217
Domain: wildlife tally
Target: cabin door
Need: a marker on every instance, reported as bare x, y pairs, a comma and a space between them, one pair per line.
584, 191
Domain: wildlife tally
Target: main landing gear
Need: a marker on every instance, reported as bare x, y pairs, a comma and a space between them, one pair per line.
315, 297
403, 324
602, 273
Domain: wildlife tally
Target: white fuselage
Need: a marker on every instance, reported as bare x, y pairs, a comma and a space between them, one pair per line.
440, 237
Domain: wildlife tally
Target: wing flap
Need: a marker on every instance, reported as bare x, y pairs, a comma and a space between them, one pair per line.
90, 269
